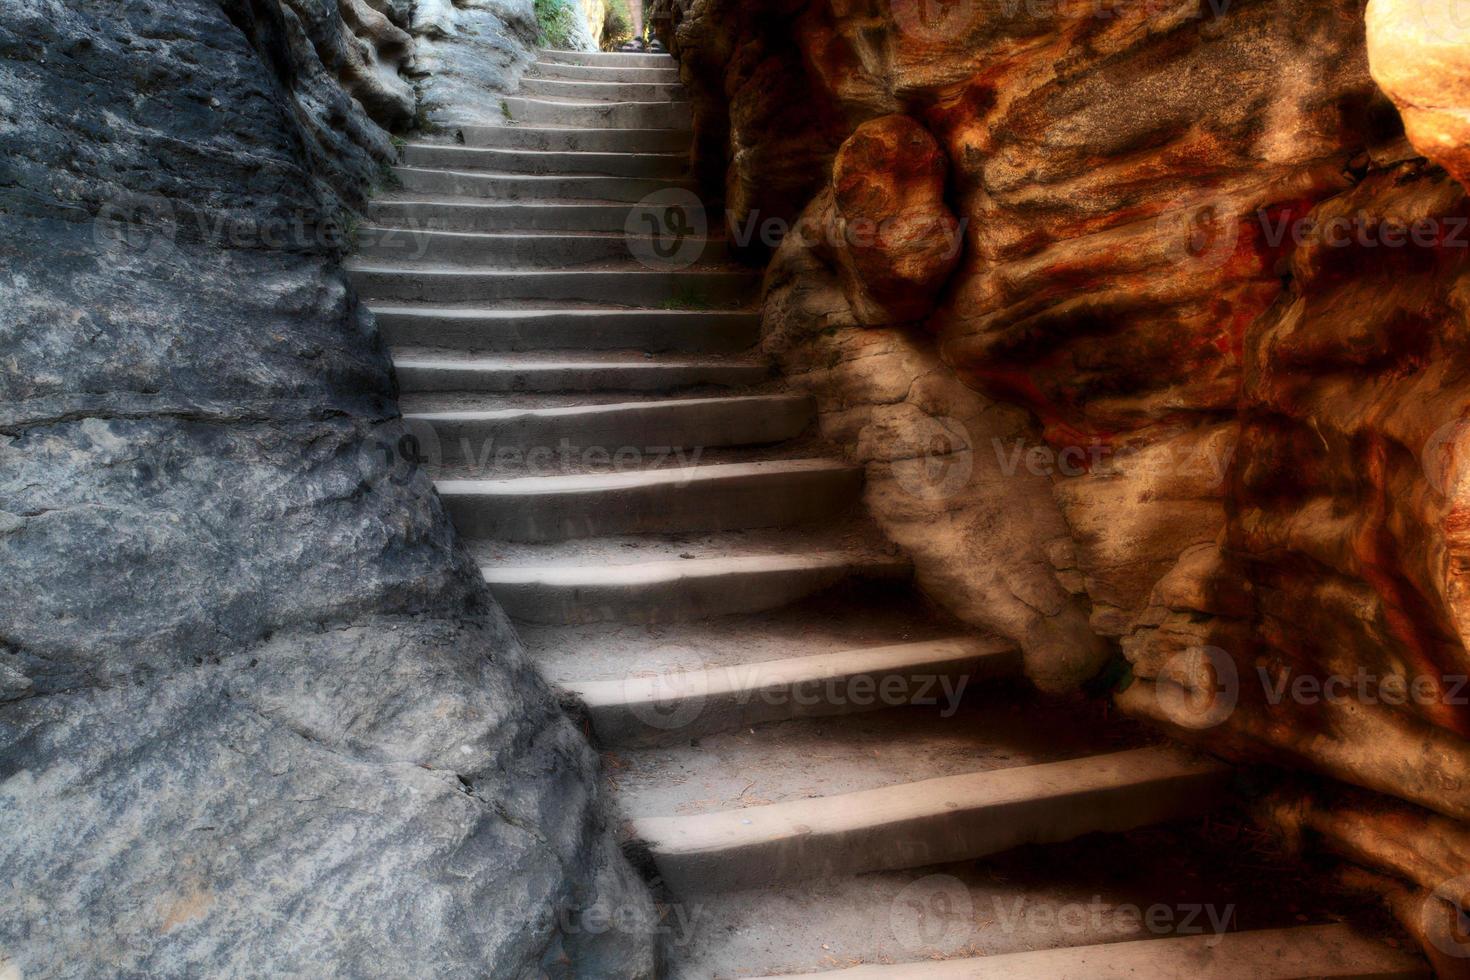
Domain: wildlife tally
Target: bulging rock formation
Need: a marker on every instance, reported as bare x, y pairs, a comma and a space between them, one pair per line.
891, 235
1420, 53
1192, 397
258, 715
372, 63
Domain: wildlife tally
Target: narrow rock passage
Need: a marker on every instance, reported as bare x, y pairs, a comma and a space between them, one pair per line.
790, 730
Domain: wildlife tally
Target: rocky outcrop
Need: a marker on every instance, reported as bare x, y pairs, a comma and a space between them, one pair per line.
371, 62
1192, 391
888, 231
936, 479
1420, 54
257, 714
466, 51
594, 14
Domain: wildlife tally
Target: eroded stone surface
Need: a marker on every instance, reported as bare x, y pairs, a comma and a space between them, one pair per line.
1420, 54
1191, 288
892, 236
466, 52
257, 714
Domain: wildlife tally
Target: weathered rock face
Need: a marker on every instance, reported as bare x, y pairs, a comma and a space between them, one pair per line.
465, 51
371, 61
891, 235
594, 16
1420, 53
1194, 390
257, 714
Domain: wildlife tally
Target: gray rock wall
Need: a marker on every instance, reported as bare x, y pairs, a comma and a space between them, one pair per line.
258, 716
466, 50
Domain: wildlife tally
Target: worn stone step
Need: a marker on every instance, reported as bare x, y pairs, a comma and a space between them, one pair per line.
602, 73
609, 90
950, 818
852, 619
449, 156
533, 187
664, 707
678, 589
472, 436
1268, 954
584, 329
599, 115
458, 214
948, 729
668, 500
566, 139
422, 372
618, 59
511, 465
527, 250
636, 286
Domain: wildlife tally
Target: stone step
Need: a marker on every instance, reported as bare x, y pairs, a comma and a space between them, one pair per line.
602, 73
617, 59
597, 329
950, 818
693, 499
458, 214
511, 463
424, 372
599, 115
566, 90
564, 139
666, 707
1268, 954
632, 426
533, 187
528, 250
448, 156
850, 619
635, 286
677, 589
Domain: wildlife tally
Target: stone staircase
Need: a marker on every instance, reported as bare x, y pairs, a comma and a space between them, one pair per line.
778, 709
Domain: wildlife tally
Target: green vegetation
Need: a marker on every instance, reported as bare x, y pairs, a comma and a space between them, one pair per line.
688, 297
388, 179
351, 227
557, 19
617, 27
